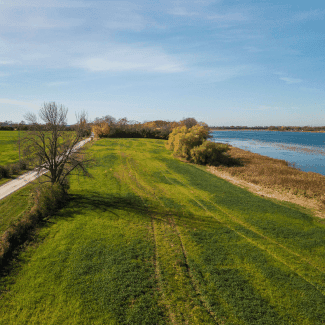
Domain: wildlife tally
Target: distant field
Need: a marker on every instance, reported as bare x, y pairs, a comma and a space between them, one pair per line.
8, 147
152, 240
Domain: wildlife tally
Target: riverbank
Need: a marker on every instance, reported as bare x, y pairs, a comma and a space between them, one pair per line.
274, 178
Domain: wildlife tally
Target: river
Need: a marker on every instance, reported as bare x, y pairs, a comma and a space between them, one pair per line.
305, 150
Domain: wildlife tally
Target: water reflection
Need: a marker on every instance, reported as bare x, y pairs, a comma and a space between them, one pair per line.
305, 157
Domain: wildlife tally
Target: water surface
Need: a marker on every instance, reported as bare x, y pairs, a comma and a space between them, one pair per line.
304, 149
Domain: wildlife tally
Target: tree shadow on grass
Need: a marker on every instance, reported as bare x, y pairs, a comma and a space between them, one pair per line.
112, 203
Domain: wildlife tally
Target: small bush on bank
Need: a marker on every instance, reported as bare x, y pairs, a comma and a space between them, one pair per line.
48, 199
182, 140
210, 153
191, 144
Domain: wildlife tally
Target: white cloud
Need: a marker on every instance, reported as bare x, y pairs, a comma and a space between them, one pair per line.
131, 59
19, 103
229, 17
224, 73
181, 11
290, 81
7, 62
252, 49
43, 4
308, 15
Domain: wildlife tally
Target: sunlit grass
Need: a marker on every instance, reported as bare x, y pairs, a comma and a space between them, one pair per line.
152, 240
9, 147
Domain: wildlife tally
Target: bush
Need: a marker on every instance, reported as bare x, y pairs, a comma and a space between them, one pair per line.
4, 172
12, 169
210, 153
182, 139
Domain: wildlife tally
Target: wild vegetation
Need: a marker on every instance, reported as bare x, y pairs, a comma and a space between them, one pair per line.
109, 127
276, 173
154, 240
192, 145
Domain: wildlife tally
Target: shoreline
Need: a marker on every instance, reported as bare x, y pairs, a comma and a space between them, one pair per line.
275, 179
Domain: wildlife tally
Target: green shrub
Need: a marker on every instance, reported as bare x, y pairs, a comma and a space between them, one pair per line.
12, 169
4, 172
210, 153
182, 139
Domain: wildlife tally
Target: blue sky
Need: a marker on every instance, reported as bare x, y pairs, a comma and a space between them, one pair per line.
223, 62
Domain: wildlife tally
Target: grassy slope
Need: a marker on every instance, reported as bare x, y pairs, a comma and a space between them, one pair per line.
151, 240
8, 147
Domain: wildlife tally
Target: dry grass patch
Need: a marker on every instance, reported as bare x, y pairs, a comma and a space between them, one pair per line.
274, 175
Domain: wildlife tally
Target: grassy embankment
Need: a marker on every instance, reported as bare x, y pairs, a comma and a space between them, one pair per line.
275, 173
152, 240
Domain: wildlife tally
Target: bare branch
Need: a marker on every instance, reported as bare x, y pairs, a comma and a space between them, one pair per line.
51, 146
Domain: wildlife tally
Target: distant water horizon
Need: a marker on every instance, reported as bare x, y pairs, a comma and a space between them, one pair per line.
304, 150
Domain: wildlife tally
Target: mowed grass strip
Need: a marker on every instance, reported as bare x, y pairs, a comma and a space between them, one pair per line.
152, 240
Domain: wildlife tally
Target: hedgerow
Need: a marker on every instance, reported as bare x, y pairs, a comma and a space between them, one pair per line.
48, 199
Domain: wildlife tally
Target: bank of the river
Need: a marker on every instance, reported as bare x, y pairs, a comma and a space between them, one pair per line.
274, 178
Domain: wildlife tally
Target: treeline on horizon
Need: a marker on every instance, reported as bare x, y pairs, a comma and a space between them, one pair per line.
109, 127
272, 128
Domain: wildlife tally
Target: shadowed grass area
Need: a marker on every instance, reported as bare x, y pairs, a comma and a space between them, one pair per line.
152, 240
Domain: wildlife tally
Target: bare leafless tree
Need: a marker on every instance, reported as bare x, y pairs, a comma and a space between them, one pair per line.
49, 146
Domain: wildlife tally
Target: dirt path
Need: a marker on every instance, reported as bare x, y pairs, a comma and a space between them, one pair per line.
263, 191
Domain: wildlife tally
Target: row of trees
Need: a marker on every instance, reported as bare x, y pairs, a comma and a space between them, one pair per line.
109, 127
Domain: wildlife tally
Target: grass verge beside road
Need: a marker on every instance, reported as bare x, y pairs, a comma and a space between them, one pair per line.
152, 240
14, 206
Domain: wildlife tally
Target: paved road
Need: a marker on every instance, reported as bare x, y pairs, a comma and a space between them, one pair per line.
14, 185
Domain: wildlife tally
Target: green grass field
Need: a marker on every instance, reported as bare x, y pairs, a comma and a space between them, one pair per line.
152, 240
8, 147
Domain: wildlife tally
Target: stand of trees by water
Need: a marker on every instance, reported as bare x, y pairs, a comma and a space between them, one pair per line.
271, 128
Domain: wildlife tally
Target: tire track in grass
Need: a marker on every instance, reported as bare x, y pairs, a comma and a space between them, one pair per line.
171, 230
322, 291
158, 276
